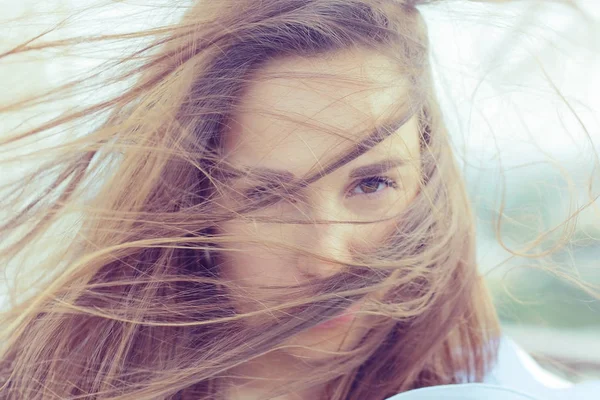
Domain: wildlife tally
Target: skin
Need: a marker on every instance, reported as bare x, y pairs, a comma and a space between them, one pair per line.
296, 116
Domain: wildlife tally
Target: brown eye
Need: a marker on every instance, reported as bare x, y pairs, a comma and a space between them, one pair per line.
260, 192
275, 191
373, 185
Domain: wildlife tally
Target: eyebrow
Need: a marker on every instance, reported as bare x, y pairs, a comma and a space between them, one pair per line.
359, 172
376, 168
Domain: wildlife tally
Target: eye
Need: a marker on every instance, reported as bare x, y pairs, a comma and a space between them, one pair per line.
373, 185
259, 193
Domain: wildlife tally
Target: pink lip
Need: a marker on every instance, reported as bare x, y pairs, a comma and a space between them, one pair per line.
344, 318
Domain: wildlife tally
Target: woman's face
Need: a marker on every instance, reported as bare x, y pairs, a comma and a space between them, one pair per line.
296, 116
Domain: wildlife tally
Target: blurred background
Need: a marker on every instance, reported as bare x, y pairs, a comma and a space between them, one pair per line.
519, 84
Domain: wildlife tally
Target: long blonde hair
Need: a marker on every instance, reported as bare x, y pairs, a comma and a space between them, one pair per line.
132, 309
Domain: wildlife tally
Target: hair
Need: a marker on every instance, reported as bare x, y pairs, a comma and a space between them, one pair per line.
131, 308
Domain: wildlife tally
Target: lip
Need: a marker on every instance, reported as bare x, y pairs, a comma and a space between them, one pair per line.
344, 318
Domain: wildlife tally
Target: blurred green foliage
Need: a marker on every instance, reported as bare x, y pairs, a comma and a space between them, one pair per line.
534, 210
535, 297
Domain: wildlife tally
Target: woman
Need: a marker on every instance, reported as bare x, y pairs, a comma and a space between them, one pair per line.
272, 211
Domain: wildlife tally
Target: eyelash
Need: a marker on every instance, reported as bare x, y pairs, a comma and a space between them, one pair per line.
257, 192
388, 182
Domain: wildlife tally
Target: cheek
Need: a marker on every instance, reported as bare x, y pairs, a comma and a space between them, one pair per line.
250, 264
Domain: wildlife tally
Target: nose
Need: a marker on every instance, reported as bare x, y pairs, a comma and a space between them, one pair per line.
328, 241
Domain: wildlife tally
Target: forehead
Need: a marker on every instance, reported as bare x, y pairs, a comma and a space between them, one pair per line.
300, 111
